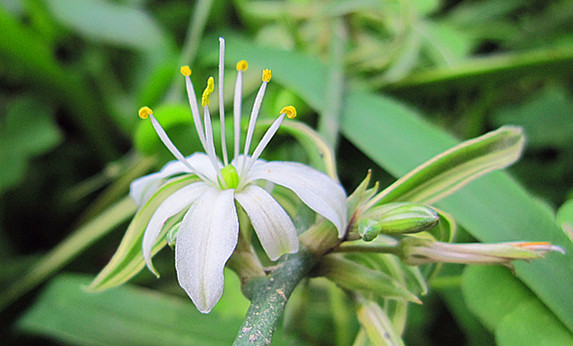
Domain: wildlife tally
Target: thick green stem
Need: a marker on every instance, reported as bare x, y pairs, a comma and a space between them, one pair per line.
269, 294
269, 297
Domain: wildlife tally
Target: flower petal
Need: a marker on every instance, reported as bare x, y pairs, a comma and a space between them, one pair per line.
171, 206
143, 188
314, 188
272, 224
206, 239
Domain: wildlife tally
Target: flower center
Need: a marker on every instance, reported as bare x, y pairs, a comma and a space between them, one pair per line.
230, 177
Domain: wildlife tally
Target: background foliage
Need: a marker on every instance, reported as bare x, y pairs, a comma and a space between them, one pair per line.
400, 80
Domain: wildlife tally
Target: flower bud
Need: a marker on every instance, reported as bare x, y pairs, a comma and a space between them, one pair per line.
398, 219
416, 251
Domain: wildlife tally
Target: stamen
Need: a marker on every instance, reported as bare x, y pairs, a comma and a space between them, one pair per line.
146, 112
264, 141
255, 113
242, 65
266, 75
207, 92
222, 99
237, 100
186, 72
210, 148
290, 112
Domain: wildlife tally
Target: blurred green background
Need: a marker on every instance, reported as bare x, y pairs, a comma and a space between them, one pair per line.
375, 78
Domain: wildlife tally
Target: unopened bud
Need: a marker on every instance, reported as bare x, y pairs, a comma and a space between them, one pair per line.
398, 219
416, 251
408, 218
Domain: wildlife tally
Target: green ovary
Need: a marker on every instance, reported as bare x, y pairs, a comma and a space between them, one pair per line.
230, 176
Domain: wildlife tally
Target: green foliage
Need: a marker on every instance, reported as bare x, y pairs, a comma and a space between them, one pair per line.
28, 130
507, 308
136, 316
389, 84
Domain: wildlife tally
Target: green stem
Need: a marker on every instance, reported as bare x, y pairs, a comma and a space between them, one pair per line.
269, 297
269, 294
376, 248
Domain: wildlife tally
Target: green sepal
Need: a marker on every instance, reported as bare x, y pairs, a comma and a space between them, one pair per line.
128, 259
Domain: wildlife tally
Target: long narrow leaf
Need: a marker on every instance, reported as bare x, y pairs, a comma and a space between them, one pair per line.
123, 316
67, 250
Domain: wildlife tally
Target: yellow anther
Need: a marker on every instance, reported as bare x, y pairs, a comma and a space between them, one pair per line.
242, 65
266, 75
208, 91
144, 112
290, 111
186, 71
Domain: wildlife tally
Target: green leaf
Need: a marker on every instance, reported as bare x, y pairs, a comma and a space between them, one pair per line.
505, 306
445, 44
565, 218
545, 117
491, 293
531, 323
27, 130
125, 316
67, 250
493, 208
128, 259
449, 171
103, 21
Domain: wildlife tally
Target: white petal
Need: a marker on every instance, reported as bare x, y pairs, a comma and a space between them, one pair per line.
314, 188
206, 239
171, 206
143, 188
203, 165
272, 224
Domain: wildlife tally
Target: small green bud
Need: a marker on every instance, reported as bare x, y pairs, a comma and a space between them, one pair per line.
230, 176
369, 229
408, 218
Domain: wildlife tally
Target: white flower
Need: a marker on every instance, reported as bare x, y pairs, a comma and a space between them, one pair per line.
209, 229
